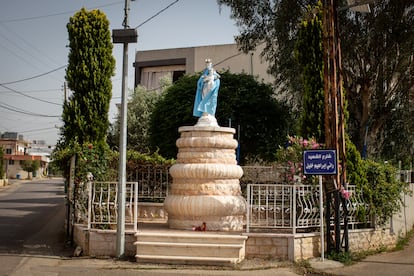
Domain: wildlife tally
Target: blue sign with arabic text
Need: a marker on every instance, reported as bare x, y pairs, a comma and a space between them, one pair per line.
319, 162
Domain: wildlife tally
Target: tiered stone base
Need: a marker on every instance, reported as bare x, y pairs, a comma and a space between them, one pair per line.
206, 184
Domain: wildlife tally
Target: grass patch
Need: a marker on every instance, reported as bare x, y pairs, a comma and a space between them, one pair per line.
348, 258
403, 241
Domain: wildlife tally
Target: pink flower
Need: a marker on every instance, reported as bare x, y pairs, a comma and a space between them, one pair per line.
305, 143
345, 194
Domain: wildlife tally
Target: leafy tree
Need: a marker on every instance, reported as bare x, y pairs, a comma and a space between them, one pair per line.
140, 108
30, 166
376, 53
383, 190
379, 70
264, 122
309, 55
91, 66
89, 71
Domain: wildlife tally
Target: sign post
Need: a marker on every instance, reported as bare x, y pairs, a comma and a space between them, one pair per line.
320, 162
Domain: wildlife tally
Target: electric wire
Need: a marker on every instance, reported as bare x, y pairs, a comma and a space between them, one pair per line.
37, 130
158, 13
28, 96
56, 14
34, 77
22, 111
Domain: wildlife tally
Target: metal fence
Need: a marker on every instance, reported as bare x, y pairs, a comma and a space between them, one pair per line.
99, 209
295, 207
271, 205
154, 181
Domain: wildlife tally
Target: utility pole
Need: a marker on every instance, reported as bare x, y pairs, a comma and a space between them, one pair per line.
334, 119
123, 36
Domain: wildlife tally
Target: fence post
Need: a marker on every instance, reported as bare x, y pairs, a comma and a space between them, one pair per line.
248, 208
89, 187
71, 199
135, 206
293, 208
321, 217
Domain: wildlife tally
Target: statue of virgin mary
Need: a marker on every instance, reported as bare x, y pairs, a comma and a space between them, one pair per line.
205, 103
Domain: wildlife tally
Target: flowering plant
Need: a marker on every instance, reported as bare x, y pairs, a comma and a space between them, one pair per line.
91, 159
292, 155
345, 193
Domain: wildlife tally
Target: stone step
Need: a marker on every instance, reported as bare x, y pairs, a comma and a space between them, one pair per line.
191, 237
193, 260
189, 247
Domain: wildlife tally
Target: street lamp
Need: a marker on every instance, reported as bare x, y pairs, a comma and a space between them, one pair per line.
123, 36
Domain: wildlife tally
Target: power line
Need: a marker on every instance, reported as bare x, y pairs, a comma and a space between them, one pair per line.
29, 43
31, 97
55, 14
37, 130
34, 90
155, 15
34, 77
22, 111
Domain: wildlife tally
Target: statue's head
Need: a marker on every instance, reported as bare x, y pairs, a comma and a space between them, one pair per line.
208, 63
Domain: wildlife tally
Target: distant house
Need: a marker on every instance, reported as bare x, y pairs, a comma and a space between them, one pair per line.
16, 150
152, 65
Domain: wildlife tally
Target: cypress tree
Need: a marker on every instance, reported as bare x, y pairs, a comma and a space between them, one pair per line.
91, 66
309, 54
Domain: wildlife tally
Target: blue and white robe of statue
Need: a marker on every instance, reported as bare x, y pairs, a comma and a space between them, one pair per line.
208, 104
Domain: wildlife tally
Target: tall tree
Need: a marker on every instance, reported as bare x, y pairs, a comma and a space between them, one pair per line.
309, 55
378, 70
140, 107
376, 49
85, 115
91, 66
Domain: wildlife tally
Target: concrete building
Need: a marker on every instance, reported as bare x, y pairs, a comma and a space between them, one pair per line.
152, 65
16, 150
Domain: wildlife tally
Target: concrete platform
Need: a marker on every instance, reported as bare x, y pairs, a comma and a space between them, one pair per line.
156, 243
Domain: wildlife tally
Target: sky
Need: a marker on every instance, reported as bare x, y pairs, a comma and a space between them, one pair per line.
34, 52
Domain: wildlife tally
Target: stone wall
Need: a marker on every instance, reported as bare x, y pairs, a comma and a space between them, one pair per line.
102, 243
283, 246
262, 245
371, 239
305, 246
148, 211
99, 243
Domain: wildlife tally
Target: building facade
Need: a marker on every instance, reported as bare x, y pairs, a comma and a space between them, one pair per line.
16, 150
152, 65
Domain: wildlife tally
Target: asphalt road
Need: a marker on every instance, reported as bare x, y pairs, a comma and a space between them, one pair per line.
32, 221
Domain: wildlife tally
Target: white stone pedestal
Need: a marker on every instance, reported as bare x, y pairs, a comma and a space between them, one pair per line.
206, 184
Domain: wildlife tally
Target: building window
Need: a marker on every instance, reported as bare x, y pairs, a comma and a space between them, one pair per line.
177, 75
11, 162
8, 151
151, 76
